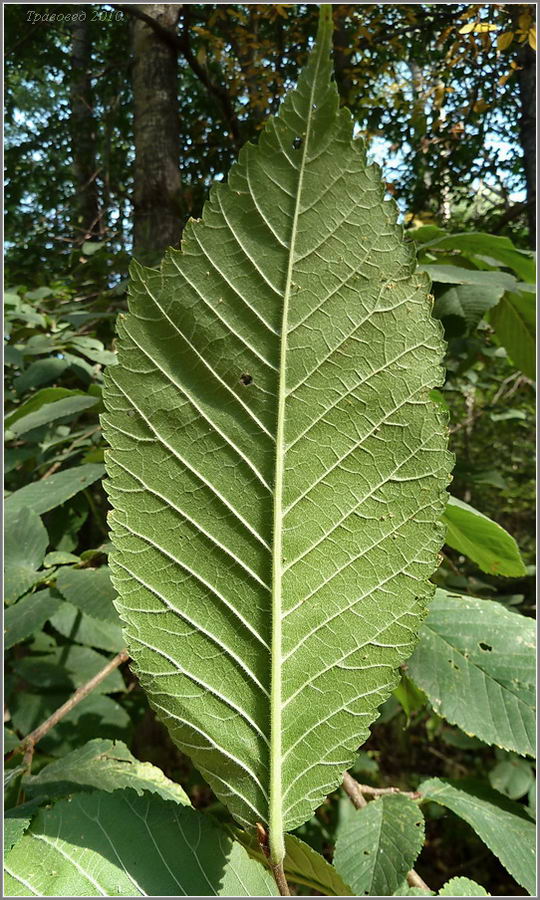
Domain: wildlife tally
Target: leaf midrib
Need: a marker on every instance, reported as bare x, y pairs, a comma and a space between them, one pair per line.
276, 840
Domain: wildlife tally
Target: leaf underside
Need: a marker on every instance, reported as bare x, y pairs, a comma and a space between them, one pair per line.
277, 469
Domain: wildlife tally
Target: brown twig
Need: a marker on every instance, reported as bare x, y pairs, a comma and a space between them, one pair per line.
281, 881
356, 791
352, 789
414, 880
377, 792
55, 466
28, 743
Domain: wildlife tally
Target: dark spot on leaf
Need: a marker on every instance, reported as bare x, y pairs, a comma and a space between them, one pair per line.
485, 646
366, 852
297, 143
246, 379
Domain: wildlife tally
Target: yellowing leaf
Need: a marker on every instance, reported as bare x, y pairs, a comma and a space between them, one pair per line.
477, 28
504, 40
532, 37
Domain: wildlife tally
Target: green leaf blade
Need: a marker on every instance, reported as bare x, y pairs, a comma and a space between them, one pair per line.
476, 662
120, 844
41, 496
500, 823
277, 467
482, 540
379, 844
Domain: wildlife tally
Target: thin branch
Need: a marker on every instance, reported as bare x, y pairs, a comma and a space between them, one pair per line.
55, 466
170, 37
377, 792
352, 789
356, 791
181, 44
281, 881
220, 92
29, 742
414, 880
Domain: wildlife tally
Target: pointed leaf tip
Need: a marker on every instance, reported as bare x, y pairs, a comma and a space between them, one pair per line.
325, 27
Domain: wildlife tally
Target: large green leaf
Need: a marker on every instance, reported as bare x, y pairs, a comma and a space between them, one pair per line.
476, 663
278, 468
120, 844
514, 321
107, 765
482, 540
379, 844
25, 544
500, 823
56, 489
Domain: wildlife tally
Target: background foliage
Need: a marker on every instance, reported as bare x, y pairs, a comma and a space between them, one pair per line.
440, 94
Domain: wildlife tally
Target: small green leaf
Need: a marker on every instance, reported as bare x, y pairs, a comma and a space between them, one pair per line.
514, 321
500, 823
25, 544
42, 371
107, 765
84, 629
60, 558
379, 844
476, 663
481, 539
462, 887
56, 489
513, 777
68, 666
37, 400
28, 616
498, 282
91, 247
91, 591
51, 412
469, 302
121, 844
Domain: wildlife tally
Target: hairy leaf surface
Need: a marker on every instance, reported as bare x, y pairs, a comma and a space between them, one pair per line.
277, 468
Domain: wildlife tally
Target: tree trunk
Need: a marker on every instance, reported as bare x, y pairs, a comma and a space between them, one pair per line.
527, 96
157, 217
87, 218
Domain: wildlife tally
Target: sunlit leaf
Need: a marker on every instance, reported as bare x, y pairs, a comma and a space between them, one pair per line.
278, 468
